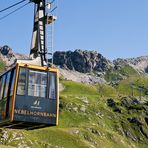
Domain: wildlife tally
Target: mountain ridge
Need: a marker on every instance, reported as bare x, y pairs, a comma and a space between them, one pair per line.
94, 61
87, 66
138, 63
84, 61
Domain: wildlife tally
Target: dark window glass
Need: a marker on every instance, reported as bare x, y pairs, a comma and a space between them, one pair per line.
21, 82
37, 83
52, 85
7, 84
12, 82
2, 82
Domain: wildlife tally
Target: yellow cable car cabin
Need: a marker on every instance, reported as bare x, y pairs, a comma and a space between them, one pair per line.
29, 94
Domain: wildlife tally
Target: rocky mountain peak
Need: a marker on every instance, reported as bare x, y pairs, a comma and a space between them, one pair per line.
87, 66
9, 57
5, 50
139, 63
82, 61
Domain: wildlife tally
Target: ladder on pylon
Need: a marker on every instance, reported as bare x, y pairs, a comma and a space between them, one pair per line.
50, 30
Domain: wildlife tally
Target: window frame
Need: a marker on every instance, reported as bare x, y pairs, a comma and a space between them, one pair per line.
24, 94
41, 71
3, 78
12, 77
56, 85
47, 90
6, 88
12, 80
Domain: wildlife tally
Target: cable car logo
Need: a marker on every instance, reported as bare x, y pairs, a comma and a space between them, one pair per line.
36, 104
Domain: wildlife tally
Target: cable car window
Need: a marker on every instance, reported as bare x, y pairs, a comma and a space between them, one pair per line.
2, 82
21, 82
37, 83
7, 84
52, 86
12, 82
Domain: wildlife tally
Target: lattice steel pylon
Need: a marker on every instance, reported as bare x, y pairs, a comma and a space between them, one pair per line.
42, 18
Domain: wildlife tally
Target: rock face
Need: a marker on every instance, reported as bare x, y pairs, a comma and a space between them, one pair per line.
82, 61
86, 66
9, 57
91, 61
140, 63
81, 77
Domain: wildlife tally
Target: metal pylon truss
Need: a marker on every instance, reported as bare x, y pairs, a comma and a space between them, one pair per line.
42, 37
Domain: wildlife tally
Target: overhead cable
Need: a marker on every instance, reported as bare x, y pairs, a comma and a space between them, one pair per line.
12, 6
52, 1
1, 18
53, 9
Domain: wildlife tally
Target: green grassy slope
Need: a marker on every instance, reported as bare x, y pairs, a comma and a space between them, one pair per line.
2, 66
133, 86
120, 73
90, 119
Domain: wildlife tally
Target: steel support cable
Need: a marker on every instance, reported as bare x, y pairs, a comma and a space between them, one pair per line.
52, 1
54, 9
12, 6
1, 18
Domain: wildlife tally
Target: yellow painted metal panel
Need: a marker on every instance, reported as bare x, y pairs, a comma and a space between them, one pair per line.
52, 69
57, 120
14, 92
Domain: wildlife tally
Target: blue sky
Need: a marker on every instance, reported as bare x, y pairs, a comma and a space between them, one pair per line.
115, 28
